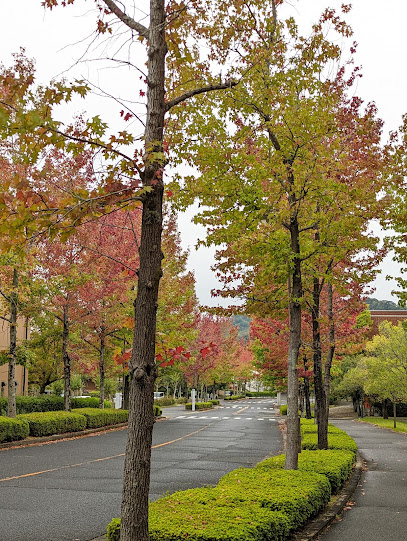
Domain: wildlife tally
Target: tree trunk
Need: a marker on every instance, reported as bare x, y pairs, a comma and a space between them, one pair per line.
295, 294
308, 413
142, 367
385, 412
66, 360
332, 344
394, 414
102, 369
126, 385
11, 404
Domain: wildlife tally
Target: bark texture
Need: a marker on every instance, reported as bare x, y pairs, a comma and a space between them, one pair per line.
11, 404
142, 367
66, 359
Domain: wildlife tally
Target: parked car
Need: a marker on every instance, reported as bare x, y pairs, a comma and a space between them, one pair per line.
158, 395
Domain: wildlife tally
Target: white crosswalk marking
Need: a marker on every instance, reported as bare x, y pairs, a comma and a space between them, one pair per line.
249, 418
225, 417
237, 417
260, 419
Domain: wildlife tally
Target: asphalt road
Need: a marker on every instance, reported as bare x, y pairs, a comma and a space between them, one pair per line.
69, 490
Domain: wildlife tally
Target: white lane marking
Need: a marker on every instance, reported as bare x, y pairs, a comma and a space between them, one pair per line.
249, 418
181, 417
225, 417
237, 417
260, 419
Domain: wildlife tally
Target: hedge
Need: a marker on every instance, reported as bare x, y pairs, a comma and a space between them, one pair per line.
312, 428
246, 504
260, 394
157, 411
29, 404
214, 402
13, 429
299, 494
335, 464
199, 406
48, 423
88, 402
335, 441
283, 409
96, 418
165, 401
235, 397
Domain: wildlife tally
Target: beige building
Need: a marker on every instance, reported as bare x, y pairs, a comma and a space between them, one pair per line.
23, 333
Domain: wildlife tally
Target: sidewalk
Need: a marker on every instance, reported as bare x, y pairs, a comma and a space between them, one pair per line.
378, 511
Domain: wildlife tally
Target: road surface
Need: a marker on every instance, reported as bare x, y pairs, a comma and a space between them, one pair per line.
69, 490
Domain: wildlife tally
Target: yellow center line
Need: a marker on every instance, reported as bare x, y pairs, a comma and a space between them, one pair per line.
240, 411
33, 474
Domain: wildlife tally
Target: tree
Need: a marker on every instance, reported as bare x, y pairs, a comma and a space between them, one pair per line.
383, 367
291, 198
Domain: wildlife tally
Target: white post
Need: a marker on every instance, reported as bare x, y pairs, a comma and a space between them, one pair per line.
193, 399
278, 399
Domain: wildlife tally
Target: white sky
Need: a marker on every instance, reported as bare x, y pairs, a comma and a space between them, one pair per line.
379, 29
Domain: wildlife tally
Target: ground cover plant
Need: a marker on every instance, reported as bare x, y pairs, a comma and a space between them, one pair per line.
386, 423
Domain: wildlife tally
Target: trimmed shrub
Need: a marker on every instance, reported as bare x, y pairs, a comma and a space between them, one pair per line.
96, 417
157, 411
13, 429
283, 409
335, 441
181, 400
299, 494
28, 404
311, 428
88, 402
235, 397
53, 422
199, 406
164, 401
198, 515
214, 402
260, 394
336, 465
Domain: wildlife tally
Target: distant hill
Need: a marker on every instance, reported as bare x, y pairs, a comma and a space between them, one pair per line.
243, 325
375, 304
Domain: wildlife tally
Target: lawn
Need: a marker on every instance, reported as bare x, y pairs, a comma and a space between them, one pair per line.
386, 423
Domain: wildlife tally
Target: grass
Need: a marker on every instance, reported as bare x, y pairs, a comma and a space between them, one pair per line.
385, 423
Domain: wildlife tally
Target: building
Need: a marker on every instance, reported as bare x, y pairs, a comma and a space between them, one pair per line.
394, 316
23, 333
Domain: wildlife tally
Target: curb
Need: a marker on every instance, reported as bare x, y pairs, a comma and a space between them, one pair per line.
324, 519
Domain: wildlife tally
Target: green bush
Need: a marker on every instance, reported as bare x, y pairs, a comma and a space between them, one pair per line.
53, 422
336, 465
197, 515
283, 409
29, 404
235, 397
88, 402
335, 441
157, 411
260, 393
311, 428
165, 401
299, 494
13, 429
214, 402
199, 406
96, 417
181, 400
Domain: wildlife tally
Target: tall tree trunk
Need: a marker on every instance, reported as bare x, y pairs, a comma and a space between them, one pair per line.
66, 359
11, 404
331, 351
394, 414
320, 400
295, 295
102, 369
142, 367
308, 413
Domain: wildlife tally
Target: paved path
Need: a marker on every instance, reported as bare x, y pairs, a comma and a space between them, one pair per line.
379, 512
71, 489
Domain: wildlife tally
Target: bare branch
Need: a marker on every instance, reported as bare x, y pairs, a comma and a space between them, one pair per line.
126, 19
196, 91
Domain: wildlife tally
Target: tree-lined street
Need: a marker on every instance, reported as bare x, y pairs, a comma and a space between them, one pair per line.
71, 489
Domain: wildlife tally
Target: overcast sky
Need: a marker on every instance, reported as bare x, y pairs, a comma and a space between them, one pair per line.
379, 29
